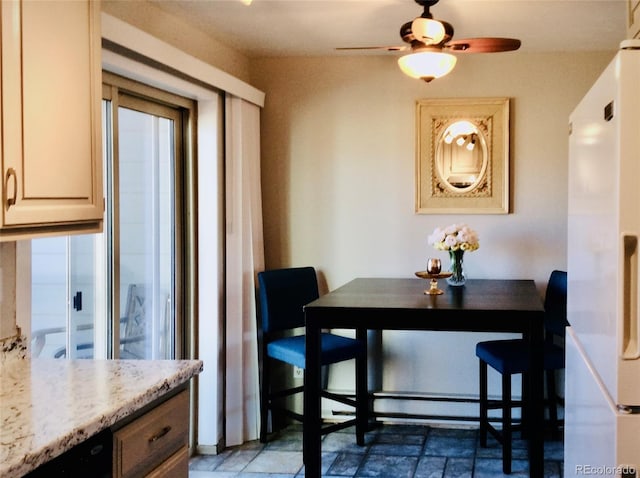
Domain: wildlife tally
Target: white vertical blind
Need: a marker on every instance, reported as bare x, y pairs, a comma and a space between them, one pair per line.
245, 258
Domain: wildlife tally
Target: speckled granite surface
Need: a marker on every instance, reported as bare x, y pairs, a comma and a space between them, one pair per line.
13, 348
47, 406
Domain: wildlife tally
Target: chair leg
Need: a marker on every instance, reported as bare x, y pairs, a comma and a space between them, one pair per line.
264, 399
506, 423
553, 404
304, 435
484, 418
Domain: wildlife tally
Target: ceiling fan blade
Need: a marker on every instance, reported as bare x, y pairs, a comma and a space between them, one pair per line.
483, 45
388, 48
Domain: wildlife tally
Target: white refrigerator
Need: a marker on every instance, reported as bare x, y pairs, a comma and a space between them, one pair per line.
602, 378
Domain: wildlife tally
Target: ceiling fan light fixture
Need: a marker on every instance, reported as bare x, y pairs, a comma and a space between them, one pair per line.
428, 31
427, 65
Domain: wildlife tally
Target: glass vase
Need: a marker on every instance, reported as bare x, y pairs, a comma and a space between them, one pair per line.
457, 272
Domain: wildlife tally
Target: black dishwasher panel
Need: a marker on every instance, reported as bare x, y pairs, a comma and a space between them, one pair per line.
90, 459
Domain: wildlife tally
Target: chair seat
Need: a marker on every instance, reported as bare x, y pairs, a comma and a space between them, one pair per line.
335, 348
511, 357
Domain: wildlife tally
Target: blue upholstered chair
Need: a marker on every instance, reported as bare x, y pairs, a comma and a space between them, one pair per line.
283, 294
510, 357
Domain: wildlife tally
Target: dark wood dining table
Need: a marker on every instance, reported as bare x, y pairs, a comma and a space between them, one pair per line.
482, 305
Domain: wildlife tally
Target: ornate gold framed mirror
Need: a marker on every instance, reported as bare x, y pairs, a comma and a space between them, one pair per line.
462, 156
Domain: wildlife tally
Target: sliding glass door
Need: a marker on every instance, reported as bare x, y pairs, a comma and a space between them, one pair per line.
66, 298
146, 228
119, 294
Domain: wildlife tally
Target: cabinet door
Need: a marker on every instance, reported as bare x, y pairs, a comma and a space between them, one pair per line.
51, 140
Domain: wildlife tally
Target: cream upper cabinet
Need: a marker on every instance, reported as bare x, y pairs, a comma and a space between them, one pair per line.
633, 18
51, 144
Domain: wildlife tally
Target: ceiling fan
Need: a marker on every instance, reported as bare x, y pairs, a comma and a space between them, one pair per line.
429, 40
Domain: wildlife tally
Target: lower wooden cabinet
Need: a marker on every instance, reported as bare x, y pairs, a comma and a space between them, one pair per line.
150, 444
156, 443
177, 465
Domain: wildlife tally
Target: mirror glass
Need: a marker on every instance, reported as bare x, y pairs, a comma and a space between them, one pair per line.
461, 156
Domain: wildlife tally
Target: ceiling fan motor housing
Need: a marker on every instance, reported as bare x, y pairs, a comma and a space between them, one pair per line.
426, 31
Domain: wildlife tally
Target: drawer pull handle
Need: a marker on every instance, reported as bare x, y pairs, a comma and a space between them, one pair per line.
160, 434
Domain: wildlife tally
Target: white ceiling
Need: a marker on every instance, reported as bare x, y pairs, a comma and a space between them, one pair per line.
317, 27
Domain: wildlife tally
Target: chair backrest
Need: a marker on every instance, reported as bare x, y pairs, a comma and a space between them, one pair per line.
555, 303
283, 294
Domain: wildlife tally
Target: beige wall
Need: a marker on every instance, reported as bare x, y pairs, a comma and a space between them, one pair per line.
7, 290
338, 156
156, 22
338, 140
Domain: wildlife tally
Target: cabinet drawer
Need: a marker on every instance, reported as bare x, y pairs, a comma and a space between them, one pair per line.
145, 443
177, 466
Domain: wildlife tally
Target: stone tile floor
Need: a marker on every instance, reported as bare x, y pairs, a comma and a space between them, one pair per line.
391, 451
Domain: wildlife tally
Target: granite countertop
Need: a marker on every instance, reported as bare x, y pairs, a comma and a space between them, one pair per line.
47, 406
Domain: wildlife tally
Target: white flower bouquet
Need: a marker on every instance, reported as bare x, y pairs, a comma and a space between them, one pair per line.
453, 238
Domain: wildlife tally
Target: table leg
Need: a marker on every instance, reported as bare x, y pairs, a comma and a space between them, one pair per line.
311, 437
535, 390
362, 392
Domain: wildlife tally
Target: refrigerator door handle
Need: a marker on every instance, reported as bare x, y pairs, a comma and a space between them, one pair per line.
630, 329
